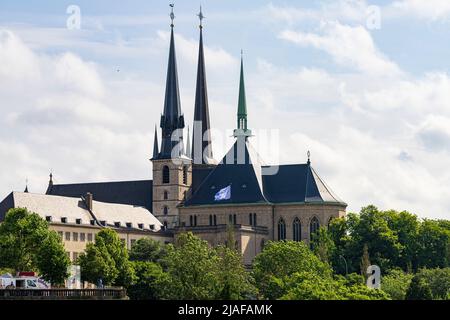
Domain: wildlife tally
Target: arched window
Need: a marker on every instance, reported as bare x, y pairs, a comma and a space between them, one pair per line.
329, 221
166, 195
215, 220
314, 226
166, 211
234, 219
250, 219
296, 227
195, 220
191, 221
185, 174
281, 230
254, 220
230, 219
210, 220
166, 174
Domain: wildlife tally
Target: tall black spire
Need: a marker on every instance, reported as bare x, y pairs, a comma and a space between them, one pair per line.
201, 137
172, 120
155, 145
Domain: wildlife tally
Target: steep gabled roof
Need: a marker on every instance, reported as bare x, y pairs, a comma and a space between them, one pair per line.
136, 193
251, 183
240, 170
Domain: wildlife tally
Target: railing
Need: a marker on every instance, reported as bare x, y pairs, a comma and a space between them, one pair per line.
63, 294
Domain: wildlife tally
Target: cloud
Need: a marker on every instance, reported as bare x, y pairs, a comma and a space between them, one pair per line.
348, 46
430, 10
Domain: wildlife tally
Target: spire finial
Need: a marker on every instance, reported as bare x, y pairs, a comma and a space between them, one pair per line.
172, 15
26, 185
201, 17
309, 157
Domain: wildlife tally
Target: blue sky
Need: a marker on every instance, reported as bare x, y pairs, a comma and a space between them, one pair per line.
372, 105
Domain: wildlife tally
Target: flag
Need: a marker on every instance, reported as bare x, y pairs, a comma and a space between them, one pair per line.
223, 194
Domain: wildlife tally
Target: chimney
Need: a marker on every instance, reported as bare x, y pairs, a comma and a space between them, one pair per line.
89, 200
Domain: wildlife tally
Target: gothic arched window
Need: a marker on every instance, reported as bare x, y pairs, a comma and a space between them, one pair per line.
166, 174
210, 220
254, 219
166, 195
185, 174
296, 227
250, 219
281, 230
166, 211
314, 226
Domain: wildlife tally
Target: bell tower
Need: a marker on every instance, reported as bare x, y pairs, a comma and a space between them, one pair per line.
172, 168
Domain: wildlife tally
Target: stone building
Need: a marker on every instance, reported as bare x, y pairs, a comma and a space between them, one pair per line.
191, 191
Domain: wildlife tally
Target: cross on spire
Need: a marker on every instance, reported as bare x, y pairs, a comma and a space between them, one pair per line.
201, 17
172, 15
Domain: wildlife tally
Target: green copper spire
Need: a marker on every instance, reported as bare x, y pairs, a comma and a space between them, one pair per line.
242, 129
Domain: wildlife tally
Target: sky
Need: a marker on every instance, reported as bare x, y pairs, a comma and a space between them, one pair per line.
363, 85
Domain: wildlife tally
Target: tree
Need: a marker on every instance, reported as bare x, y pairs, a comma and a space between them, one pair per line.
106, 259
234, 280
191, 269
419, 289
438, 280
148, 282
27, 244
311, 286
433, 245
365, 261
147, 249
279, 261
323, 245
396, 284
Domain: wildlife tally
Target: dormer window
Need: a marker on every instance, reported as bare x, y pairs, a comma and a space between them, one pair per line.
129, 225
152, 227
78, 221
63, 220
92, 222
103, 223
141, 226
48, 218
117, 224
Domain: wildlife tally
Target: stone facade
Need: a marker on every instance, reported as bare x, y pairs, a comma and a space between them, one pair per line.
167, 196
251, 237
76, 237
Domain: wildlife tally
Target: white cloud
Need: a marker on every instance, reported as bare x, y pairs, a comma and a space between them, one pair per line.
348, 46
429, 9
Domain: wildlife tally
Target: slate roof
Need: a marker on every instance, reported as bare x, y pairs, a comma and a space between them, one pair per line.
73, 208
136, 193
251, 183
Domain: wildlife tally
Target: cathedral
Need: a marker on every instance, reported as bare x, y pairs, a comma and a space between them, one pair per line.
192, 191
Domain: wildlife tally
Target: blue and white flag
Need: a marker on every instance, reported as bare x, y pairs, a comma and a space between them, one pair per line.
223, 194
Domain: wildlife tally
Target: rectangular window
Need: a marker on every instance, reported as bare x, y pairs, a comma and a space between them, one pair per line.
78, 221
67, 236
63, 220
83, 237
75, 236
89, 237
75, 256
48, 218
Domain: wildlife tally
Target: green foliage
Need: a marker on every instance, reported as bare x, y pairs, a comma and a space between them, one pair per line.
106, 259
192, 270
149, 280
26, 244
323, 245
396, 284
310, 286
419, 289
147, 249
433, 245
436, 280
234, 280
279, 261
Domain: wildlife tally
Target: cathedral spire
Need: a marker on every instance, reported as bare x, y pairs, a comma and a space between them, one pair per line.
242, 129
172, 120
155, 145
201, 137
